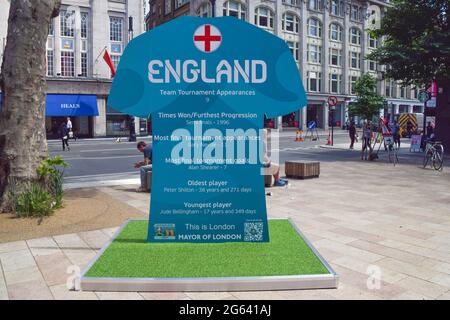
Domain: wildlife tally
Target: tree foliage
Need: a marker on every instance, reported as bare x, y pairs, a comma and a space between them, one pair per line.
416, 41
369, 102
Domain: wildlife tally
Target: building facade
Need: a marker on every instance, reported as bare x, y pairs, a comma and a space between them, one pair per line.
160, 11
76, 71
329, 41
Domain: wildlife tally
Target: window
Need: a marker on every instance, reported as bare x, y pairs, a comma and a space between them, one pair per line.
67, 64
264, 17
115, 59
355, 36
314, 53
204, 10
356, 13
84, 64
50, 61
179, 3
292, 2
371, 65
314, 28
336, 57
167, 6
335, 32
373, 42
335, 83
352, 82
355, 60
418, 109
51, 28
389, 88
290, 22
84, 25
314, 81
337, 8
153, 7
234, 9
315, 5
50, 52
115, 28
67, 23
293, 46
402, 92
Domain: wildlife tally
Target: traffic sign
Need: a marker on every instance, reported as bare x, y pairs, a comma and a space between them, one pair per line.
332, 101
424, 96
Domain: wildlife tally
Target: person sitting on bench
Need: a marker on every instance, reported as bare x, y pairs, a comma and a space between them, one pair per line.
272, 168
145, 165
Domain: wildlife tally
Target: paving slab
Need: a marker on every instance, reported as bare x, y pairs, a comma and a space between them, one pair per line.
3, 288
358, 214
54, 268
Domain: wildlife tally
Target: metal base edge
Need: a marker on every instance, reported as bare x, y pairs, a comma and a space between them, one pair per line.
266, 283
222, 284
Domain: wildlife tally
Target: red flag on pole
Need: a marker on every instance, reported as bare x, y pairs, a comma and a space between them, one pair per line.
109, 62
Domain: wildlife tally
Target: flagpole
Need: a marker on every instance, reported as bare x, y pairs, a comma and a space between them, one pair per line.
100, 53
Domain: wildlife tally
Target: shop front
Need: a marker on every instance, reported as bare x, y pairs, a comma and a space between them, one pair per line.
117, 123
80, 108
315, 112
337, 116
291, 120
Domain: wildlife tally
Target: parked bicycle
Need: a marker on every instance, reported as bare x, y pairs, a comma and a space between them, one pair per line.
434, 155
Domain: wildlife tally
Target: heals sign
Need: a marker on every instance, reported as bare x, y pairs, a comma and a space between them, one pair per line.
207, 94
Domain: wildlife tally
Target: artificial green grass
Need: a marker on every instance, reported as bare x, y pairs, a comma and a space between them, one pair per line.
131, 256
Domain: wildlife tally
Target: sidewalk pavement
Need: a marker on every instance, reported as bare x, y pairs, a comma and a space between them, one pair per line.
404, 146
365, 218
321, 132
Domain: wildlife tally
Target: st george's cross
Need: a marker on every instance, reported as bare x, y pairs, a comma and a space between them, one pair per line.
207, 38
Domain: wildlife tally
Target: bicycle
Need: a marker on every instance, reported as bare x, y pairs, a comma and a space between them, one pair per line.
434, 153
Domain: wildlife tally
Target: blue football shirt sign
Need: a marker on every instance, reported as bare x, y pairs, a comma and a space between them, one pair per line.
207, 84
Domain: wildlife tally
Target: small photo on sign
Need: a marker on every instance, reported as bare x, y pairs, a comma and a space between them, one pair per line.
165, 231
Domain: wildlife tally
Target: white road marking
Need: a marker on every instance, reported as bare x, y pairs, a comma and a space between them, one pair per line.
102, 158
106, 150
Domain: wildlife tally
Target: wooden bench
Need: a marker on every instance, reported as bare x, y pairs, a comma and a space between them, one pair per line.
302, 169
148, 182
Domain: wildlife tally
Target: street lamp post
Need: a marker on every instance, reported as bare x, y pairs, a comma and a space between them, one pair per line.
424, 97
333, 108
213, 8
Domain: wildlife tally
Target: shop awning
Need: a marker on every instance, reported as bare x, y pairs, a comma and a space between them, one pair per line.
71, 105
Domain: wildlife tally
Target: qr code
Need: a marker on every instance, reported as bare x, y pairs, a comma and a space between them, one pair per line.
253, 231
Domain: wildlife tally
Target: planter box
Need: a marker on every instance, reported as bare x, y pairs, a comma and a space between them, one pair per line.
129, 263
302, 169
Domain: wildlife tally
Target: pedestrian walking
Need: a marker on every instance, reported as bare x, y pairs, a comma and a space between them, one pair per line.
63, 133
352, 134
430, 130
409, 128
395, 130
71, 133
366, 141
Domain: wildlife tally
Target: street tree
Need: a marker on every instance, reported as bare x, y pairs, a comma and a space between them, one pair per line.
416, 41
23, 141
368, 101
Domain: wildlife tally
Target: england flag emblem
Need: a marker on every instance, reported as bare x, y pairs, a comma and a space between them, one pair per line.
207, 38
